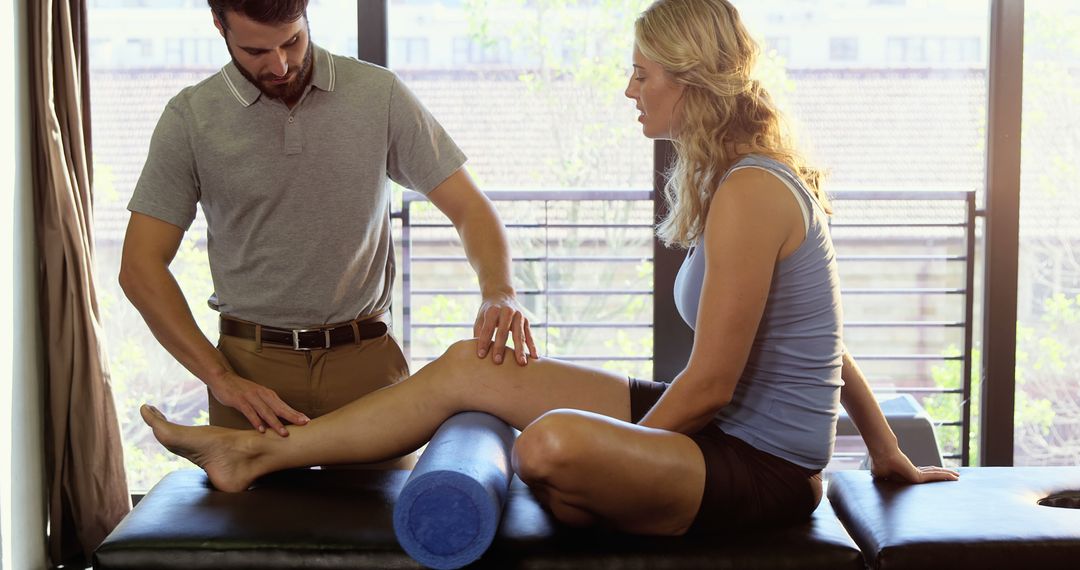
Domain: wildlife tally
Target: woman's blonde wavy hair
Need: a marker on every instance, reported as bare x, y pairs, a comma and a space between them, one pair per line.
704, 46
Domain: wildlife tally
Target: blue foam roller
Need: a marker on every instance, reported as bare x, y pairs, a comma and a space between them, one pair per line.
449, 508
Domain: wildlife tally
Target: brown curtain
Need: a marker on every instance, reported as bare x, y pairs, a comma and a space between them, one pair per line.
84, 457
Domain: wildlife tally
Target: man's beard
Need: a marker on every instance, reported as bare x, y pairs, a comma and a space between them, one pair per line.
288, 92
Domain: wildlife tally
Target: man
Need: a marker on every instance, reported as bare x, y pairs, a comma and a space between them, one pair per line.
288, 149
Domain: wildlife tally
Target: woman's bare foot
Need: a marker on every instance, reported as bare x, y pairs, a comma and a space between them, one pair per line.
223, 453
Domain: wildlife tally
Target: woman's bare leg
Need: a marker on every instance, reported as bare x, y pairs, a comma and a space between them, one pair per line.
588, 468
400, 418
584, 465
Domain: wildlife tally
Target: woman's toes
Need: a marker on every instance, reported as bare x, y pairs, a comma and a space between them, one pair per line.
212, 449
144, 411
151, 415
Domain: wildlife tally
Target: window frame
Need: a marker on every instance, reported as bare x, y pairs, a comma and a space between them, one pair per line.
1005, 70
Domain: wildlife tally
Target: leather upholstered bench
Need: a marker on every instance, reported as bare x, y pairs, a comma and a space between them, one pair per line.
990, 518
343, 519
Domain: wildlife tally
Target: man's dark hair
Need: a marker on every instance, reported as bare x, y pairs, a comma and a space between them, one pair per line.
262, 11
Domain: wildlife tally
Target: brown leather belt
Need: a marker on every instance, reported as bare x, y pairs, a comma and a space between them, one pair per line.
310, 339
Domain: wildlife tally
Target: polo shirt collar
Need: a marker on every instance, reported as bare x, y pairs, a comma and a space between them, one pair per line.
323, 76
245, 91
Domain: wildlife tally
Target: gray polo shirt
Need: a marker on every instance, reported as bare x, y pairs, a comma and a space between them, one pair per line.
296, 201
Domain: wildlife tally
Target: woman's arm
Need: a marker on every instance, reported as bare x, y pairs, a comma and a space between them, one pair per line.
750, 222
886, 459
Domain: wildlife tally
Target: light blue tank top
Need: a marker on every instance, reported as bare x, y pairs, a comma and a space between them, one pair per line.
788, 397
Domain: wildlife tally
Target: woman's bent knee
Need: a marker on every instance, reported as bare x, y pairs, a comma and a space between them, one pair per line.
550, 446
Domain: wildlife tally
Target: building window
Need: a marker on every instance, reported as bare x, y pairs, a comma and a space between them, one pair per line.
410, 52
779, 44
461, 50
140, 49
933, 50
468, 51
844, 49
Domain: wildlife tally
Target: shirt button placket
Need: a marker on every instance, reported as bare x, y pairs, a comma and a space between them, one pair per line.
294, 137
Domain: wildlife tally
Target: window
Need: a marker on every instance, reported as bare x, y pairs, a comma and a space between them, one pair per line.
1047, 407
192, 52
844, 49
140, 49
779, 44
532, 93
935, 50
486, 52
461, 50
100, 52
410, 52
906, 50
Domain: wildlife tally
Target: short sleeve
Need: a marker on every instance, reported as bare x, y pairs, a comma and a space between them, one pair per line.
168, 188
421, 154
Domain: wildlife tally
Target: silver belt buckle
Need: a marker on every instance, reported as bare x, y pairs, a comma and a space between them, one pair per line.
296, 339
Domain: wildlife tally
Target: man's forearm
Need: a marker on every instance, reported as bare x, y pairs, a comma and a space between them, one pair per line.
864, 410
157, 296
488, 250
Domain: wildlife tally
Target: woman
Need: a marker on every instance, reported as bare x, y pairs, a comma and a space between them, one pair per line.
741, 434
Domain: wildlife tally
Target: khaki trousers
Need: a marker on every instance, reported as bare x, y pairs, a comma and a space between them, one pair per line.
313, 382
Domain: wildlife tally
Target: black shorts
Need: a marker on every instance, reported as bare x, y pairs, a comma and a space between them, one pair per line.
744, 486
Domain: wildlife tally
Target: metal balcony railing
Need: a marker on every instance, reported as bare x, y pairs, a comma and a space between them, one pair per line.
413, 265
873, 231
